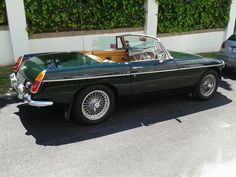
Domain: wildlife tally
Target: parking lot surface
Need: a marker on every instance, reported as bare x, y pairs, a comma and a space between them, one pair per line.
162, 137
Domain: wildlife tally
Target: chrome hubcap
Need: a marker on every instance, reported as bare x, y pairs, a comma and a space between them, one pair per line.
95, 105
208, 85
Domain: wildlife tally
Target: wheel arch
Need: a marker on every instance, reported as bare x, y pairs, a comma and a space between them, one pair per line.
110, 86
218, 71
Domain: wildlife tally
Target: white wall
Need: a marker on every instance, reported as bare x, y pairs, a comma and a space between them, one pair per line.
73, 43
230, 27
56, 44
151, 10
6, 52
195, 43
18, 28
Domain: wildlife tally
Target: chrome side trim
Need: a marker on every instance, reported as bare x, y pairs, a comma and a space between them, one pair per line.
152, 72
223, 63
137, 67
194, 67
122, 75
85, 78
144, 35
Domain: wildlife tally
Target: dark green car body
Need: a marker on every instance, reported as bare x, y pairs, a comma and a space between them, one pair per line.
68, 73
62, 82
88, 83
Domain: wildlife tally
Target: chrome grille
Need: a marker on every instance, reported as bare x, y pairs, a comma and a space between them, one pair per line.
20, 79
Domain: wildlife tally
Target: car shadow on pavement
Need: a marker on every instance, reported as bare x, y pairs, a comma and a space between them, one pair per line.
49, 128
229, 75
225, 85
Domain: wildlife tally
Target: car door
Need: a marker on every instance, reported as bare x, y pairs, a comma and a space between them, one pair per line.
153, 76
152, 69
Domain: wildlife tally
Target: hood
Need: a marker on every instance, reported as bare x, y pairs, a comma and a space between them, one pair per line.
184, 56
194, 59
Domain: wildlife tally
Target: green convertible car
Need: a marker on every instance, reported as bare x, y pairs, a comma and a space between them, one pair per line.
89, 83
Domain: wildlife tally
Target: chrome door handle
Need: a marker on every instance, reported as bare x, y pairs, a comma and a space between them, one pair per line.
137, 67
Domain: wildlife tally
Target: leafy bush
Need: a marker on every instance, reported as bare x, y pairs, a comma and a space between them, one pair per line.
189, 15
66, 15
173, 16
3, 14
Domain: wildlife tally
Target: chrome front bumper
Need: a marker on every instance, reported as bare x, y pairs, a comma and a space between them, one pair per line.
26, 97
230, 60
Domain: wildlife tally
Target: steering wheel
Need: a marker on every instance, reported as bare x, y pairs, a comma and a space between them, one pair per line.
144, 55
149, 54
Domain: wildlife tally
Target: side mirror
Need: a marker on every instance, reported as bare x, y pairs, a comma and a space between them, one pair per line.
142, 39
161, 61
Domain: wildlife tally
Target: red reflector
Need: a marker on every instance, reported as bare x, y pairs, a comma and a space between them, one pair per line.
17, 64
223, 45
35, 86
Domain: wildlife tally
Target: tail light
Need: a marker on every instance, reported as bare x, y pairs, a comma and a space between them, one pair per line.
37, 82
17, 64
223, 45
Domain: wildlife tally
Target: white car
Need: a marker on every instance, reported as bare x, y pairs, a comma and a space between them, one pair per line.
228, 52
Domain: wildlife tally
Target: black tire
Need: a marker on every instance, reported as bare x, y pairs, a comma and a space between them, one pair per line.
206, 92
86, 104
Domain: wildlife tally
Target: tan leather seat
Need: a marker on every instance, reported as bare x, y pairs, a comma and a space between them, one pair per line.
96, 58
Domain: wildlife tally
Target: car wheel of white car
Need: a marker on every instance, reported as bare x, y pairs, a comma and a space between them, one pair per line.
94, 104
207, 85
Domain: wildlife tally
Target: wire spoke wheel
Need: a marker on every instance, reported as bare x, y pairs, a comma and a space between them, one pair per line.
208, 85
95, 105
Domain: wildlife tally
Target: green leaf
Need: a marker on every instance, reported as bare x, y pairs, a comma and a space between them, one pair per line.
181, 16
64, 15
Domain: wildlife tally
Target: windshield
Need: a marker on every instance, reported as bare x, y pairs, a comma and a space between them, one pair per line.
144, 48
233, 37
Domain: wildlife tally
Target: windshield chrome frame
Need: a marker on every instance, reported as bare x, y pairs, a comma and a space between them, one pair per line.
168, 55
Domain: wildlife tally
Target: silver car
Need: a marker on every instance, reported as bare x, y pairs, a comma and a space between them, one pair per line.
228, 52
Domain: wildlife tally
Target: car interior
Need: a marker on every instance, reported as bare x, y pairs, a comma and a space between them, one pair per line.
119, 55
129, 48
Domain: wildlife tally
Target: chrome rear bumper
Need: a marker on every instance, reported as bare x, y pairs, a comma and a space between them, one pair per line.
26, 97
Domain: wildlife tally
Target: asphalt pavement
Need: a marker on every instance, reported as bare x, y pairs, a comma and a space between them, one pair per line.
161, 137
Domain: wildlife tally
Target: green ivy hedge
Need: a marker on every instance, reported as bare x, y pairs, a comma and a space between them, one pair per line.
173, 16
66, 15
3, 14
189, 15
